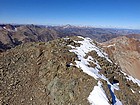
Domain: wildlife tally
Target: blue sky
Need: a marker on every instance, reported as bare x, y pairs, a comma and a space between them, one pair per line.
98, 13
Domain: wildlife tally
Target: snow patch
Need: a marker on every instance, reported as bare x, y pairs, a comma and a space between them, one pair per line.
15, 29
80, 37
130, 78
4, 27
87, 45
66, 38
71, 46
132, 91
83, 63
98, 96
133, 79
111, 45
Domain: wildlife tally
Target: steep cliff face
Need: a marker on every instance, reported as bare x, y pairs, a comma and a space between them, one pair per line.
126, 51
68, 71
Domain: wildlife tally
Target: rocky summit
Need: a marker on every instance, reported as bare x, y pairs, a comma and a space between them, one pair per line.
66, 71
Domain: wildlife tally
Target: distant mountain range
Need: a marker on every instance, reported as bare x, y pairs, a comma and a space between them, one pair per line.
13, 35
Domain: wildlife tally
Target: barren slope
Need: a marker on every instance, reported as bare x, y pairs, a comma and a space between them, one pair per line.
126, 51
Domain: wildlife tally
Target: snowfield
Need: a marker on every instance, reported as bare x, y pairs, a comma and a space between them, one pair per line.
97, 96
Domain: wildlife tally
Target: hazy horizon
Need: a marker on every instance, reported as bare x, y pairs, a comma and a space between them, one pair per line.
97, 13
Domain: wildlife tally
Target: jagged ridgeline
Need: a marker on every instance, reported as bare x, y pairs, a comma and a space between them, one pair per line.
67, 71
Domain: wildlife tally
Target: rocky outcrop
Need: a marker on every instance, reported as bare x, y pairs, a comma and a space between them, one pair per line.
40, 74
46, 74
